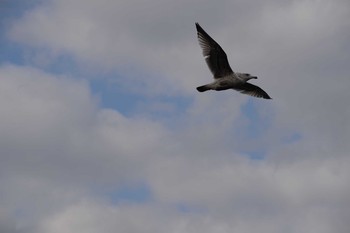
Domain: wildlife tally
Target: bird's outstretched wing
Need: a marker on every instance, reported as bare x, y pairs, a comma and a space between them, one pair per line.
250, 89
215, 56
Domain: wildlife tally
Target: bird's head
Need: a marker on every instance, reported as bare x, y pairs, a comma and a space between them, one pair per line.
246, 76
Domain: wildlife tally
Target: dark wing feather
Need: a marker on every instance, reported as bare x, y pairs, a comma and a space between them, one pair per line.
215, 56
250, 89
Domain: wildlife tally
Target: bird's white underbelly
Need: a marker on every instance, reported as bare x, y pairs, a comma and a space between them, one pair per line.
225, 83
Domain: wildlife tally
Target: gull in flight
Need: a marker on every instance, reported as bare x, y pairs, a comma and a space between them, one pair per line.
224, 77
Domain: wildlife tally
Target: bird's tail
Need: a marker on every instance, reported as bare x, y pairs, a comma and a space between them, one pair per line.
203, 88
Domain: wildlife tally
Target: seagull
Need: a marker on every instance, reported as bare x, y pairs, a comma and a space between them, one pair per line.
224, 77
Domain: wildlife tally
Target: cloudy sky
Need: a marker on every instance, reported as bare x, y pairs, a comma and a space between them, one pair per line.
102, 129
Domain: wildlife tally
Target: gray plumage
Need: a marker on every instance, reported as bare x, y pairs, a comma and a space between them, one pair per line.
224, 77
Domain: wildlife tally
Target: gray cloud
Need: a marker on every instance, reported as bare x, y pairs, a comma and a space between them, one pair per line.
58, 146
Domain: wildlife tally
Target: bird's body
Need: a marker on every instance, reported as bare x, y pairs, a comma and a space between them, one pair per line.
224, 77
221, 84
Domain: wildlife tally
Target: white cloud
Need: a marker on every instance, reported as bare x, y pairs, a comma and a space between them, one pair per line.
53, 138
91, 216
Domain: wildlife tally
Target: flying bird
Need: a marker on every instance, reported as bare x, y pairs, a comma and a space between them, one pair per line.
224, 77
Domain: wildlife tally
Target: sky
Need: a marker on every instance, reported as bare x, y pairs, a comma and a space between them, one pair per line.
102, 129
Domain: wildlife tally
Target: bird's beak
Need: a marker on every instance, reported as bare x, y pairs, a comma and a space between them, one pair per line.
254, 77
